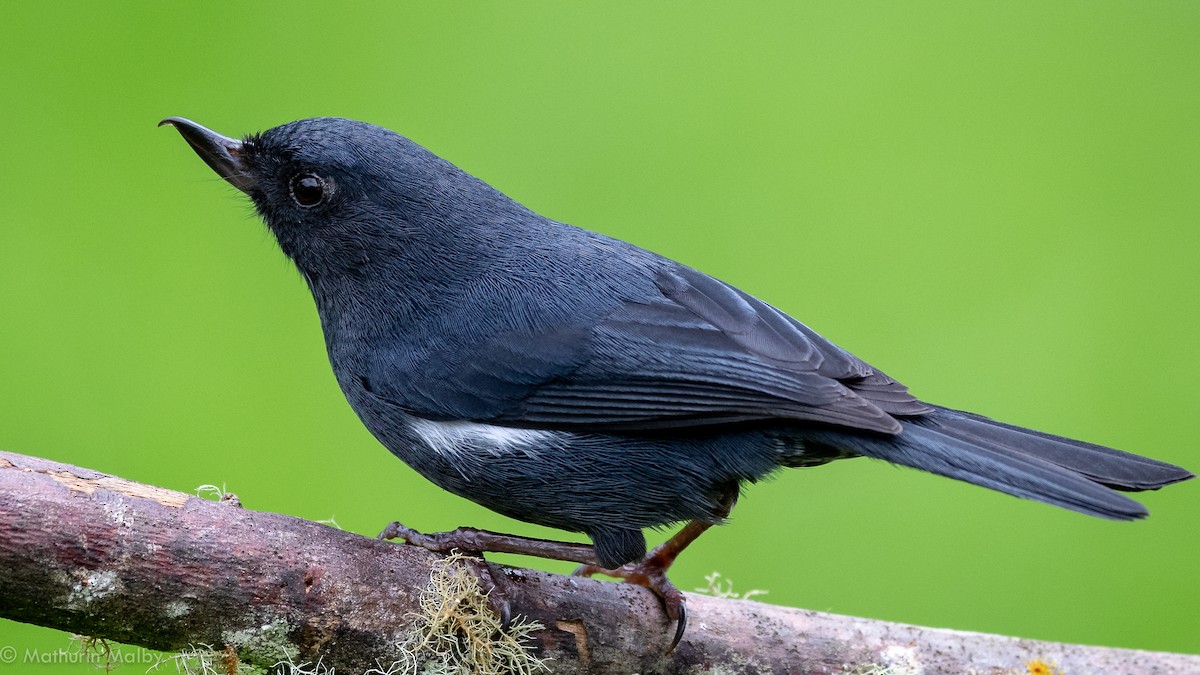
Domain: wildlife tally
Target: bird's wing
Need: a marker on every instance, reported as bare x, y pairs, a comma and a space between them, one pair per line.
697, 353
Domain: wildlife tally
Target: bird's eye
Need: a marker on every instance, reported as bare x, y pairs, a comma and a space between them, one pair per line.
308, 189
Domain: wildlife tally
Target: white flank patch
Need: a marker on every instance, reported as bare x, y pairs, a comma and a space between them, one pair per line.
454, 439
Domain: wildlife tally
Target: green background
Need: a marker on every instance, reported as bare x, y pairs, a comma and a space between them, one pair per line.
995, 202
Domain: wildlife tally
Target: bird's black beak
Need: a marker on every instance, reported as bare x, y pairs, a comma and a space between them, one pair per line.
222, 154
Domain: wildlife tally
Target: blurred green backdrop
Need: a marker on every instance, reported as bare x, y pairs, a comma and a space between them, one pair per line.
996, 202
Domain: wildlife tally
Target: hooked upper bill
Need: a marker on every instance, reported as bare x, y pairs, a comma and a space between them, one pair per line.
221, 153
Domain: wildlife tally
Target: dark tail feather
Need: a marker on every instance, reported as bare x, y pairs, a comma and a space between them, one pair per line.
1114, 468
1022, 462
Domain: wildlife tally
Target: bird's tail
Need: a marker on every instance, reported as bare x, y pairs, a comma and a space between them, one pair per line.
1061, 471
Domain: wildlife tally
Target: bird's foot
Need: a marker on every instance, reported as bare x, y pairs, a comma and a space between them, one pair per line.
471, 540
650, 572
464, 541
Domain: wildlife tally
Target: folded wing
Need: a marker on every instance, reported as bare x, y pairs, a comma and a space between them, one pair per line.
698, 353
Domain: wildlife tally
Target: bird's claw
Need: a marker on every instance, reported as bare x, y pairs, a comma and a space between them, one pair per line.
651, 574
680, 623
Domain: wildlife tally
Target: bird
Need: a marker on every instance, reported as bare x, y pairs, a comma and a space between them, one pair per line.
562, 377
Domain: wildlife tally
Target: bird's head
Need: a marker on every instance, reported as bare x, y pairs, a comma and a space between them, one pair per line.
341, 196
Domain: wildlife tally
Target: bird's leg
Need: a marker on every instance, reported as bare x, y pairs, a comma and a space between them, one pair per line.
651, 571
472, 542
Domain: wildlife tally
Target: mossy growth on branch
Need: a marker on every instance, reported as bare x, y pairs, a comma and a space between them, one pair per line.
457, 633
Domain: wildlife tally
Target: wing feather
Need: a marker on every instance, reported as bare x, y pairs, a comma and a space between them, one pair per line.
697, 353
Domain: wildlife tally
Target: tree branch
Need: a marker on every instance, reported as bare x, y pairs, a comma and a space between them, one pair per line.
90, 553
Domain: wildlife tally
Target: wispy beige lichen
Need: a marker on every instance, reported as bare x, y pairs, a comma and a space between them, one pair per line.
457, 633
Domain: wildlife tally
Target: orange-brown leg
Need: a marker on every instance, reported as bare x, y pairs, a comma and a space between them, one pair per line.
651, 571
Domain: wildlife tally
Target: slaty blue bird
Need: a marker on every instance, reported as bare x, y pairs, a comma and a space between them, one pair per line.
565, 378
